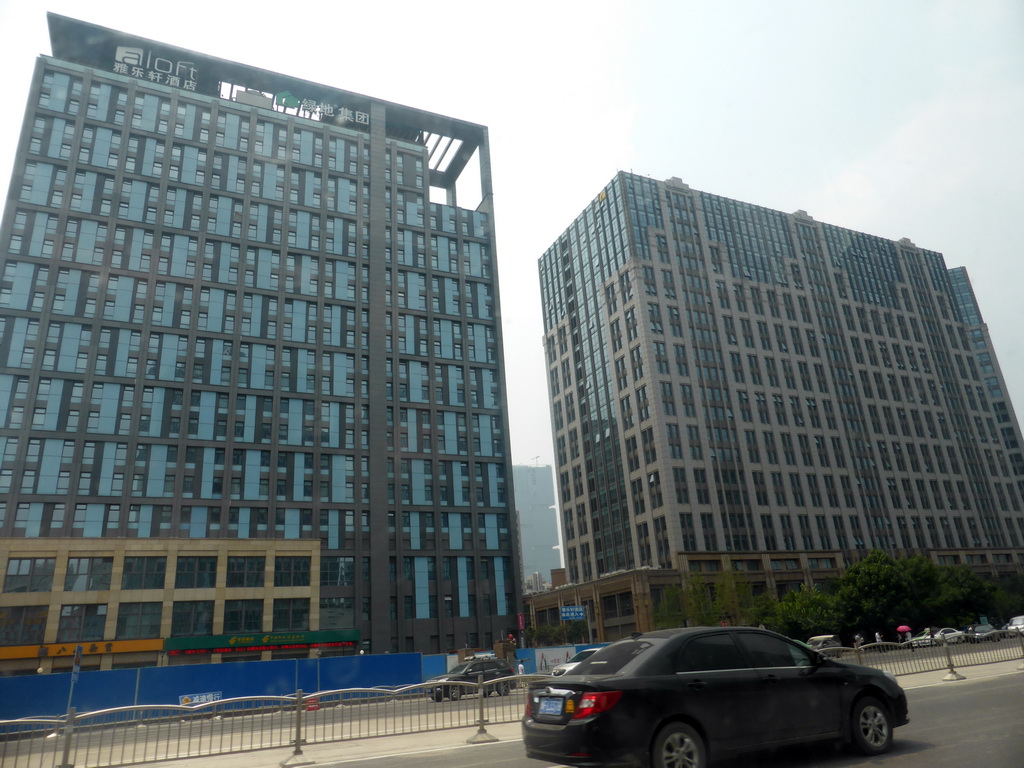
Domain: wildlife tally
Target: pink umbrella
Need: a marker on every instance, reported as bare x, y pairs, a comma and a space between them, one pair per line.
902, 628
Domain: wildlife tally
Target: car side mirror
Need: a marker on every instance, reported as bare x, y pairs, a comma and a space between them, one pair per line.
818, 659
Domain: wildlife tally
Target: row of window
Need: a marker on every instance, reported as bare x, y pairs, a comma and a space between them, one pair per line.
43, 234
87, 622
86, 574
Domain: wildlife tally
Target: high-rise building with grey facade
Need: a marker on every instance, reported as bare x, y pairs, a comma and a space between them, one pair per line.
538, 524
251, 381
728, 379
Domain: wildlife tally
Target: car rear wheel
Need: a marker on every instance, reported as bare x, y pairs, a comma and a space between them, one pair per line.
503, 689
677, 745
455, 692
871, 726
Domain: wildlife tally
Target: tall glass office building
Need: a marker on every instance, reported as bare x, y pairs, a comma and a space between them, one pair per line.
251, 381
733, 387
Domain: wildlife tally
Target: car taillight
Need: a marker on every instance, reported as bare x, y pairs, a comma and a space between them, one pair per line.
595, 702
529, 706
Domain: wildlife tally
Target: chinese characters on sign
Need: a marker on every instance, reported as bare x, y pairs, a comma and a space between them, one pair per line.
142, 64
321, 109
200, 698
573, 613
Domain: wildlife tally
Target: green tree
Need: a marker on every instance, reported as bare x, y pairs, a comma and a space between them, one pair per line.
803, 613
873, 595
963, 595
669, 610
697, 602
689, 603
764, 610
1008, 600
734, 600
542, 635
576, 631
919, 607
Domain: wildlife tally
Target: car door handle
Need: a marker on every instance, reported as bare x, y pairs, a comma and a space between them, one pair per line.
696, 685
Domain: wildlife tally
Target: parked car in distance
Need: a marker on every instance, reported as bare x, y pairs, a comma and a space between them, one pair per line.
949, 635
978, 632
934, 636
923, 639
823, 641
469, 672
571, 664
826, 644
1016, 624
682, 697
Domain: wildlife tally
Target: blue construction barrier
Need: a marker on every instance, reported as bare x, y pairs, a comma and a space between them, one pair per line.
47, 695
35, 695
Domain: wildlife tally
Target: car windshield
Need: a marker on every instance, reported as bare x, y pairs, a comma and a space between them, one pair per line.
458, 670
612, 659
582, 655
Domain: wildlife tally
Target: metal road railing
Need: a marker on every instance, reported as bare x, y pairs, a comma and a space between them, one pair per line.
933, 654
138, 734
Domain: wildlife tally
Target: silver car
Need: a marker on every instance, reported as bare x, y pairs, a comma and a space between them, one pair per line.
572, 663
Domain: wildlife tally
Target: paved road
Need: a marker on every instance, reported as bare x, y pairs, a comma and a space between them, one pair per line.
973, 722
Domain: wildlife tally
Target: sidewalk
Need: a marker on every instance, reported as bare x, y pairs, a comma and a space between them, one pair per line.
340, 752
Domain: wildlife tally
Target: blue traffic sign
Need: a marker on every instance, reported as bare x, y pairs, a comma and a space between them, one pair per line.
573, 613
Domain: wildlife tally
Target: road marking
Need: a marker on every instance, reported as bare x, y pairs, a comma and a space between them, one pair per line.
419, 752
965, 680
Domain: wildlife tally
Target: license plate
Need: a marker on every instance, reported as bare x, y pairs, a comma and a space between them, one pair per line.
550, 706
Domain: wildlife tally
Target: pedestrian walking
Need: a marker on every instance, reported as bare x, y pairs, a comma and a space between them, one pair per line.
521, 668
878, 637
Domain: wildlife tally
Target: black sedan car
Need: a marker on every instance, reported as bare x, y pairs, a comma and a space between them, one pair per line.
675, 698
472, 671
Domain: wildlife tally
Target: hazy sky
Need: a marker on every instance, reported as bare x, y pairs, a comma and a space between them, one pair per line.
902, 119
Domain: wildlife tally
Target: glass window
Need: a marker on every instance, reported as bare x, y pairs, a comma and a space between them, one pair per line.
138, 620
192, 618
195, 573
337, 612
81, 623
246, 571
615, 657
22, 624
143, 573
243, 616
30, 574
337, 571
710, 652
291, 571
291, 614
86, 574
770, 651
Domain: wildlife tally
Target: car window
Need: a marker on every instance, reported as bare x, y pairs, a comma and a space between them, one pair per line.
611, 659
771, 651
709, 652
